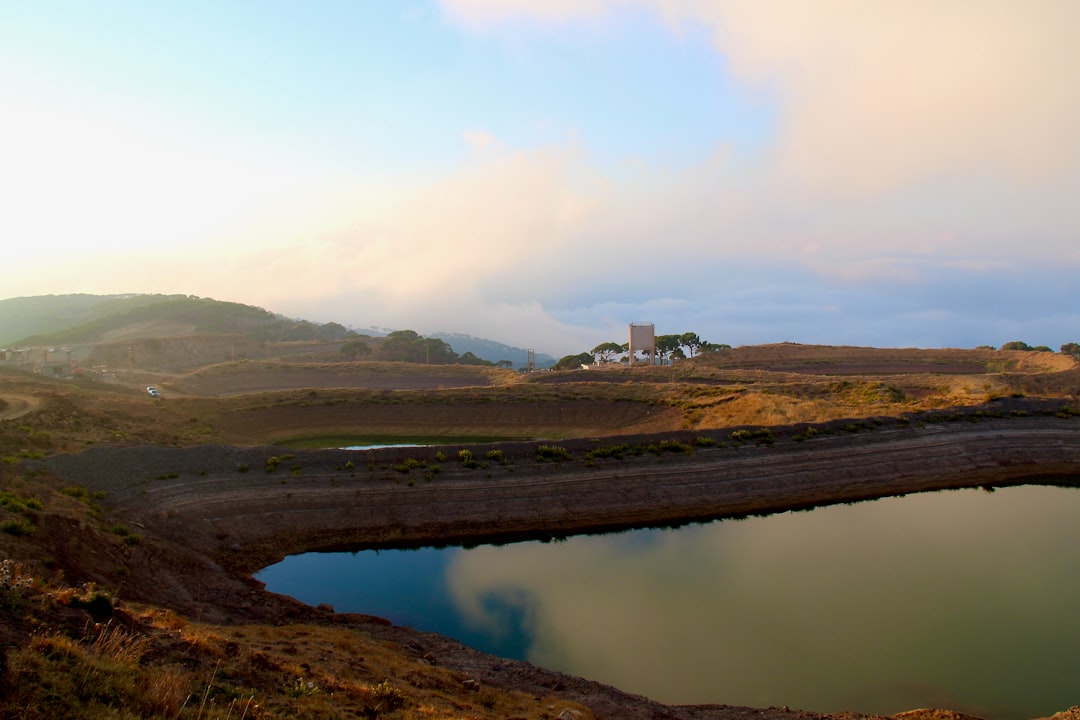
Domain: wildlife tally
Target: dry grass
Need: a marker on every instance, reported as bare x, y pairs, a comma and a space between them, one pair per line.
210, 672
757, 384
153, 663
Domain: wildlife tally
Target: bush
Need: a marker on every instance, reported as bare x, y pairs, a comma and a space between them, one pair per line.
609, 451
808, 433
552, 452
759, 435
409, 464
18, 528
671, 446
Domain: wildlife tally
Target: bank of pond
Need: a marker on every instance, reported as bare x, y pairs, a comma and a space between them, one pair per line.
960, 599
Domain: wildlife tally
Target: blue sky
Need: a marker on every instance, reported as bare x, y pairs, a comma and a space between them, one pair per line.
543, 174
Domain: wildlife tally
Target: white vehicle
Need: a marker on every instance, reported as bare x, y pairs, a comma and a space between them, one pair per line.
153, 391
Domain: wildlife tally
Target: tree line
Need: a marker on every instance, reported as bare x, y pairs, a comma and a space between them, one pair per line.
1066, 349
668, 348
411, 346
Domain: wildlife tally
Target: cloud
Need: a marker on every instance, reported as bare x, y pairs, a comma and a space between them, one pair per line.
487, 14
876, 95
920, 157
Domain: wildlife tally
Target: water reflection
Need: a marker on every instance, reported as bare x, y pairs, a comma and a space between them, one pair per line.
962, 599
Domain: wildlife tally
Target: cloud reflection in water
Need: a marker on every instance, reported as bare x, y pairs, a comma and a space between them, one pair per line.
959, 599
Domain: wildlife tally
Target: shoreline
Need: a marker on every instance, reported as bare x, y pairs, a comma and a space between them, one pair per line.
337, 499
213, 525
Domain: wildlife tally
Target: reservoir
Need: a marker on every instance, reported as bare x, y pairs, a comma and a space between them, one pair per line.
962, 599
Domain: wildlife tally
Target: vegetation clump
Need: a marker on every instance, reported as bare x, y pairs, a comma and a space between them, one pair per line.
762, 436
552, 452
408, 464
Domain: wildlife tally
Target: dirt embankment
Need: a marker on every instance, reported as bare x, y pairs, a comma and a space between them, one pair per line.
218, 513
249, 507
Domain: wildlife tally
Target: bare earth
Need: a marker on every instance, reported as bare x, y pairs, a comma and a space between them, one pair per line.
230, 523
192, 472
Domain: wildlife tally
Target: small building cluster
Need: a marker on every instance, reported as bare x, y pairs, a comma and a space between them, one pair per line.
49, 361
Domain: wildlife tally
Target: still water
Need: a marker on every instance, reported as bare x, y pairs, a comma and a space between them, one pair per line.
966, 600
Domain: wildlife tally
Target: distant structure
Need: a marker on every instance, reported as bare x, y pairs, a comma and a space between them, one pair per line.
530, 364
50, 361
642, 339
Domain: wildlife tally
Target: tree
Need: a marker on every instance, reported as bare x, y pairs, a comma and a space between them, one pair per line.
1070, 349
354, 349
470, 359
438, 352
505, 364
692, 342
606, 352
666, 345
573, 362
1016, 345
410, 346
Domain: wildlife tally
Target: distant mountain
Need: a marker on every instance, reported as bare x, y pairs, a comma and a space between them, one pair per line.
492, 351
72, 319
100, 320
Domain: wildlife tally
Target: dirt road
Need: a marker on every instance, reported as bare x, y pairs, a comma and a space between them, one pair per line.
15, 406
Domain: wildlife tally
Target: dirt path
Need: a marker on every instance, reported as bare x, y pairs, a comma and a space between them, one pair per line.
15, 406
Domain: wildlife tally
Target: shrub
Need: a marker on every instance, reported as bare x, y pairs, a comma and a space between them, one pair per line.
808, 433
670, 446
77, 492
385, 697
552, 452
409, 464
495, 456
609, 451
18, 528
760, 435
94, 600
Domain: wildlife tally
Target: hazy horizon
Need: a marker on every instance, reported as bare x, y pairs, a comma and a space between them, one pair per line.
542, 174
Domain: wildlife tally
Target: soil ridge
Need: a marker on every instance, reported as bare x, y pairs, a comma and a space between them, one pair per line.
220, 512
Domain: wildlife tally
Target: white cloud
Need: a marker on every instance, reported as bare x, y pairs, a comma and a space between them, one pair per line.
876, 95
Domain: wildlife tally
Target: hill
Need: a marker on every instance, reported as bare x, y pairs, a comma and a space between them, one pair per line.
494, 351
180, 332
125, 582
85, 319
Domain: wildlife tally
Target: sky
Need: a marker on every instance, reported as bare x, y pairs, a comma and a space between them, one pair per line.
894, 173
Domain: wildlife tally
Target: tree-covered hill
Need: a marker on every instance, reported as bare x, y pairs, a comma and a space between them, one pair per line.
72, 319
